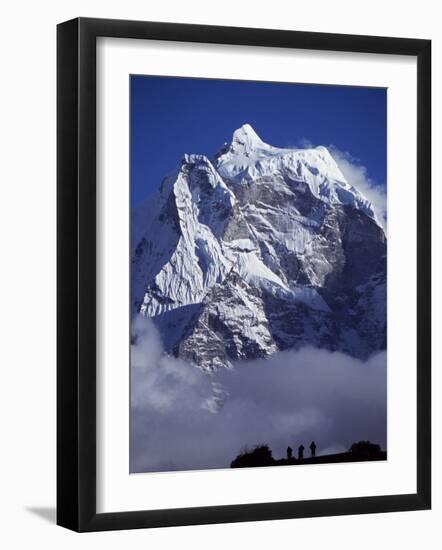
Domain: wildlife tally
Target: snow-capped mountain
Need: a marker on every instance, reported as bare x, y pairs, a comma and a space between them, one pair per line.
259, 250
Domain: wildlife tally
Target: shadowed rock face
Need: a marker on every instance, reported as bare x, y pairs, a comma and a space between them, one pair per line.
231, 324
266, 249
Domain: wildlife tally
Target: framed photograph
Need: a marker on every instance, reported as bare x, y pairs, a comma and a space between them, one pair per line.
243, 274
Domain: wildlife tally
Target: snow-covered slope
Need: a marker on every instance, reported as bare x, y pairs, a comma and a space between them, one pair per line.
259, 250
248, 158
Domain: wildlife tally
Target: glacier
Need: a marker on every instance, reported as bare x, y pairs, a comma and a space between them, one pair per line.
257, 250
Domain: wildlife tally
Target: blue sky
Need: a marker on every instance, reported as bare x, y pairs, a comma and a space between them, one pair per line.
171, 116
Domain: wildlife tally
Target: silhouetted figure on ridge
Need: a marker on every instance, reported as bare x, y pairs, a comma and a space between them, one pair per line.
289, 453
301, 452
261, 455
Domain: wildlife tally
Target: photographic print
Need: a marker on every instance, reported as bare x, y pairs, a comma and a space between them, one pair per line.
258, 274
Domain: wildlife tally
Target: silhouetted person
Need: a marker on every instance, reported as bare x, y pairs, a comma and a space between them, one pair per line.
300, 452
313, 449
289, 453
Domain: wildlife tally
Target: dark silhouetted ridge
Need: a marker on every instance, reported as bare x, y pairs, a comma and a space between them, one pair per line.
261, 455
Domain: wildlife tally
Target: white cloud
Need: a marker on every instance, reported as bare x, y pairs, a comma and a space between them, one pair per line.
305, 143
287, 399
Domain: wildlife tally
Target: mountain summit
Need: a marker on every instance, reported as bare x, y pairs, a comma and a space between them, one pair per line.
246, 138
249, 158
259, 250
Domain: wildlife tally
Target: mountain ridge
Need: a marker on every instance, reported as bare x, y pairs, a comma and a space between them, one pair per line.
258, 250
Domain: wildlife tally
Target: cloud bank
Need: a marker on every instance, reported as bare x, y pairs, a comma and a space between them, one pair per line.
182, 418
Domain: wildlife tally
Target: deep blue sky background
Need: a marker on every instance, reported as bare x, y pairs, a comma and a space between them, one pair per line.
172, 116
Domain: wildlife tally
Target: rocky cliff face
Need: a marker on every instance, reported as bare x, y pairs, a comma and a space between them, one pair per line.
259, 250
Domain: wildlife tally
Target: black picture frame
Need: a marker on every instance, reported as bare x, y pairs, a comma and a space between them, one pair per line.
76, 274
